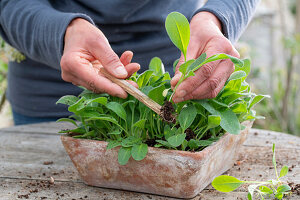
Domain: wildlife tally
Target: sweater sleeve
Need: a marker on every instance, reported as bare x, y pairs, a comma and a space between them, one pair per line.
36, 29
233, 14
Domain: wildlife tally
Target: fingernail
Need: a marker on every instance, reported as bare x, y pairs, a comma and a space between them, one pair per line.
120, 71
176, 100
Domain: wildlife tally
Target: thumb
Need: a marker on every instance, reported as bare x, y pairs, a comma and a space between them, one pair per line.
103, 52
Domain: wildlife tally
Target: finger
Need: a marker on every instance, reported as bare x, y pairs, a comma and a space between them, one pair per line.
133, 83
211, 87
102, 51
84, 74
175, 79
126, 57
132, 68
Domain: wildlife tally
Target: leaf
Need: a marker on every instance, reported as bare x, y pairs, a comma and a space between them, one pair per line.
175, 64
195, 144
222, 56
164, 143
252, 188
187, 116
109, 119
265, 190
157, 66
140, 123
257, 99
213, 121
115, 132
283, 188
178, 29
73, 108
230, 122
101, 100
67, 120
124, 155
249, 196
284, 170
176, 140
112, 144
184, 66
237, 75
130, 141
197, 62
139, 151
68, 100
226, 183
118, 109
156, 94
144, 78
240, 107
279, 195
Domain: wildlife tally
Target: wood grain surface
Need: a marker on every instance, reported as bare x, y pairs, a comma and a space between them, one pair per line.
31, 154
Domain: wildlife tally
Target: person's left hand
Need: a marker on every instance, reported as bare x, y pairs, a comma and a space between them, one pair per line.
206, 36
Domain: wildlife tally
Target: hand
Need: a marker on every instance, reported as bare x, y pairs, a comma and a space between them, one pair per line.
206, 36
85, 50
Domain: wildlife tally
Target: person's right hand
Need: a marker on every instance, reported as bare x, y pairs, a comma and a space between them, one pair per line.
85, 50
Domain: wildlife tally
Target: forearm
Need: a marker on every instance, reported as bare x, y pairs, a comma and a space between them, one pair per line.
35, 28
234, 15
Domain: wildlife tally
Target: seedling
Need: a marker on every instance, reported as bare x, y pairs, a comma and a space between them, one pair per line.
271, 189
130, 125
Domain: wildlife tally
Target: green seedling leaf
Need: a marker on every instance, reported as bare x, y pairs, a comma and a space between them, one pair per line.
68, 100
184, 66
229, 121
67, 120
140, 123
73, 108
283, 188
197, 62
265, 190
249, 196
164, 143
187, 116
237, 75
144, 78
109, 119
175, 64
240, 107
101, 100
226, 183
257, 99
117, 108
213, 121
284, 170
274, 159
176, 140
112, 144
130, 141
178, 29
139, 151
279, 195
156, 94
124, 155
246, 68
157, 66
195, 144
168, 132
115, 132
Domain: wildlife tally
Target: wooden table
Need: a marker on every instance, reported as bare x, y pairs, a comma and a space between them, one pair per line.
31, 154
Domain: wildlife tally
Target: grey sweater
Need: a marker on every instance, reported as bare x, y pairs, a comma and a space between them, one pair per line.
37, 28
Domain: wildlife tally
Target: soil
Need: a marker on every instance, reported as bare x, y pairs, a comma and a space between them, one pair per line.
190, 134
150, 142
167, 111
295, 188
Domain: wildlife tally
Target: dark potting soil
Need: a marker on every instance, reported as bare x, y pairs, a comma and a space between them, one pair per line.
150, 142
167, 111
189, 134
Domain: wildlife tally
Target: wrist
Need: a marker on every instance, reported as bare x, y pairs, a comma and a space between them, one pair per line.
75, 26
207, 19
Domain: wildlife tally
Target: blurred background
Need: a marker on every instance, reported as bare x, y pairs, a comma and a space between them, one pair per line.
272, 41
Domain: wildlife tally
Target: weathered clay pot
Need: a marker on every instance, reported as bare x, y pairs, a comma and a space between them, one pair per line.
172, 173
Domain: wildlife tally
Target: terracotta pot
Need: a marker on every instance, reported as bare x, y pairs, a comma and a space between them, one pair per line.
173, 173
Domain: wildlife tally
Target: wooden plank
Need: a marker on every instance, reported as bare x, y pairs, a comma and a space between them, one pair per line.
22, 155
265, 138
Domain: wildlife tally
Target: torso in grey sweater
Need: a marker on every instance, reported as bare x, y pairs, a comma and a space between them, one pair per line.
36, 28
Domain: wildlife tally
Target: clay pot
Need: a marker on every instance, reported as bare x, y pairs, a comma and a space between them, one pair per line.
173, 173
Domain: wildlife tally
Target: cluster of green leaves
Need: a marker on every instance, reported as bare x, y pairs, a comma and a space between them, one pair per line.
277, 189
130, 125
